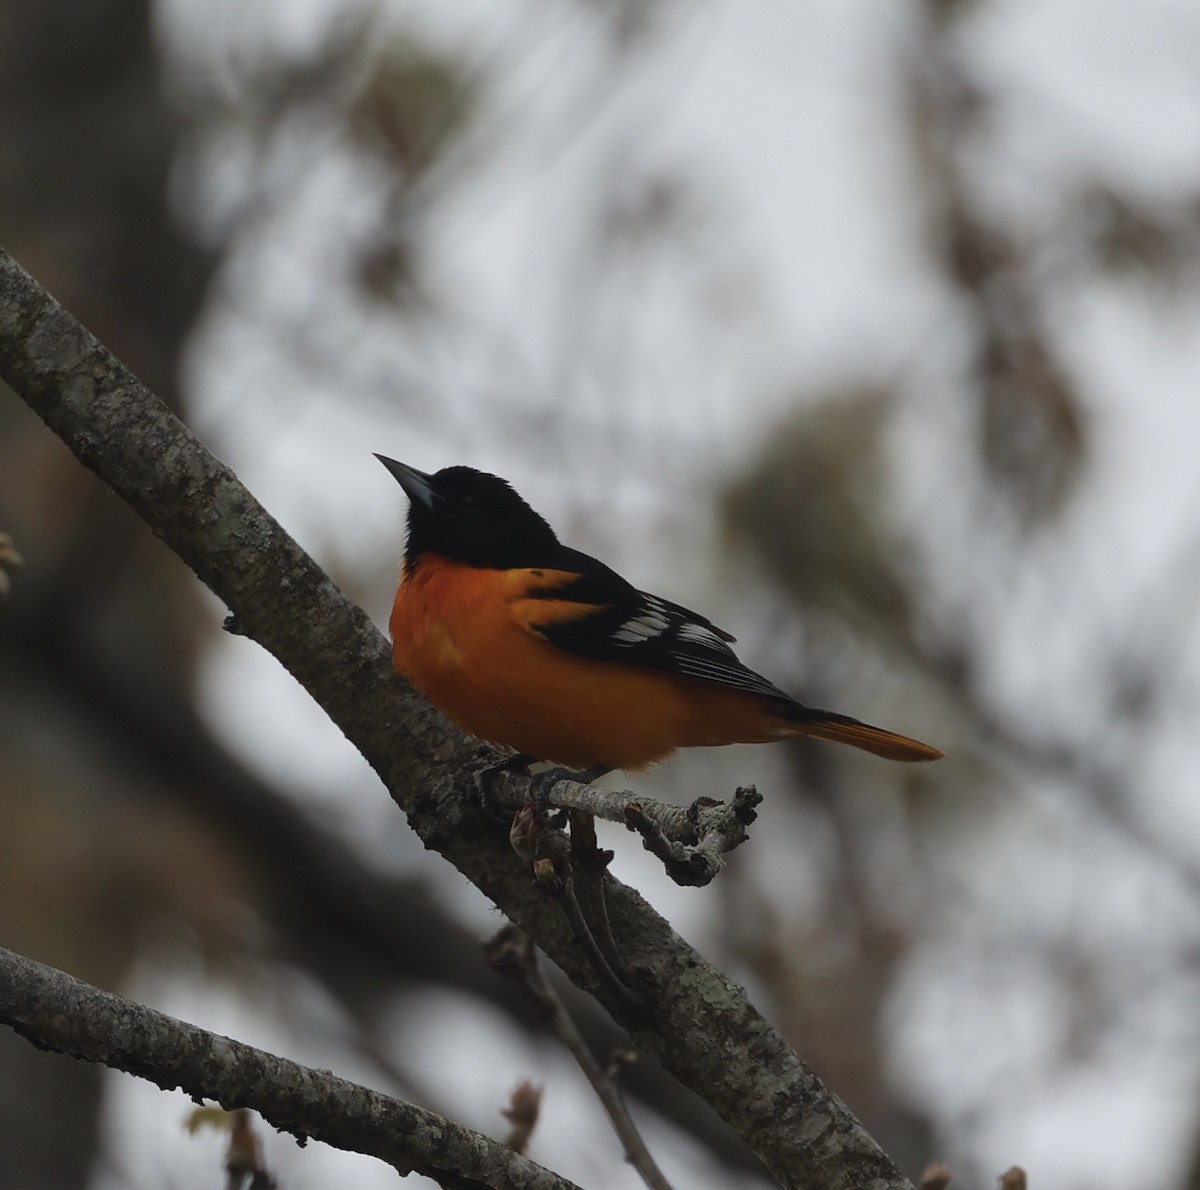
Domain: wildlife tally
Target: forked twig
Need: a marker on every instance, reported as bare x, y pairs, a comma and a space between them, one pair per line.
513, 954
550, 854
691, 840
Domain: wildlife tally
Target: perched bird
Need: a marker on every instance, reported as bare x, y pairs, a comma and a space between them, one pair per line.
525, 642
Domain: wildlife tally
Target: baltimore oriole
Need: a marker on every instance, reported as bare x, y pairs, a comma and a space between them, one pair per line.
527, 643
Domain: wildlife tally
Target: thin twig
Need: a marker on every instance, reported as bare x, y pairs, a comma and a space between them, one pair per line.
691, 840
590, 866
595, 956
550, 854
513, 953
692, 845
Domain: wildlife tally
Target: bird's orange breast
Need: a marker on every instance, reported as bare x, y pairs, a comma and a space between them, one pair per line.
468, 638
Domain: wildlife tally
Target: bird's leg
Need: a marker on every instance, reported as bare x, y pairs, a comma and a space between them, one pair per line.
541, 784
516, 763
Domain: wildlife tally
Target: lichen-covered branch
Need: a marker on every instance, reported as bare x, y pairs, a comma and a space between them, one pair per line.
699, 1024
58, 1012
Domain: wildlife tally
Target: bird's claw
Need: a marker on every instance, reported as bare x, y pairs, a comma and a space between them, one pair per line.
542, 784
516, 763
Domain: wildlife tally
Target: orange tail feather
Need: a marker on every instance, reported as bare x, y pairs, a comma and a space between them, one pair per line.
826, 725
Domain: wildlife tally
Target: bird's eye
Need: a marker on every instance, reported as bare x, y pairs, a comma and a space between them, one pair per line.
470, 502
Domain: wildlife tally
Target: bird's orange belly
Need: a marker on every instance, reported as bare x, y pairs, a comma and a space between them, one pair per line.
495, 678
565, 709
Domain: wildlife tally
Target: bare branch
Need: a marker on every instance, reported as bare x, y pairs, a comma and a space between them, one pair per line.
60, 1013
513, 954
691, 840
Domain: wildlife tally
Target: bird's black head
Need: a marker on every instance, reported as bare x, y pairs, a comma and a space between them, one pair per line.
470, 517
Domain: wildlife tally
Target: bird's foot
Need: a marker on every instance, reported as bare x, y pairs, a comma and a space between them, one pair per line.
518, 762
541, 785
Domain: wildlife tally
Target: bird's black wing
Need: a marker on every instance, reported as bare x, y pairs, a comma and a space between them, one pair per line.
633, 627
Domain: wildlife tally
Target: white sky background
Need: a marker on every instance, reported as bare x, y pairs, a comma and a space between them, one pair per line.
621, 413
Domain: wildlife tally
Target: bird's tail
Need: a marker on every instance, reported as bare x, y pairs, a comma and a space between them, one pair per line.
828, 725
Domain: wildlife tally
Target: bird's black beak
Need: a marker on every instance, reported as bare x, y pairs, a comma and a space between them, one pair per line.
418, 486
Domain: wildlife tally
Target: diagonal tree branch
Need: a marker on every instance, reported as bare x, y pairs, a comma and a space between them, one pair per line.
700, 1024
61, 1013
